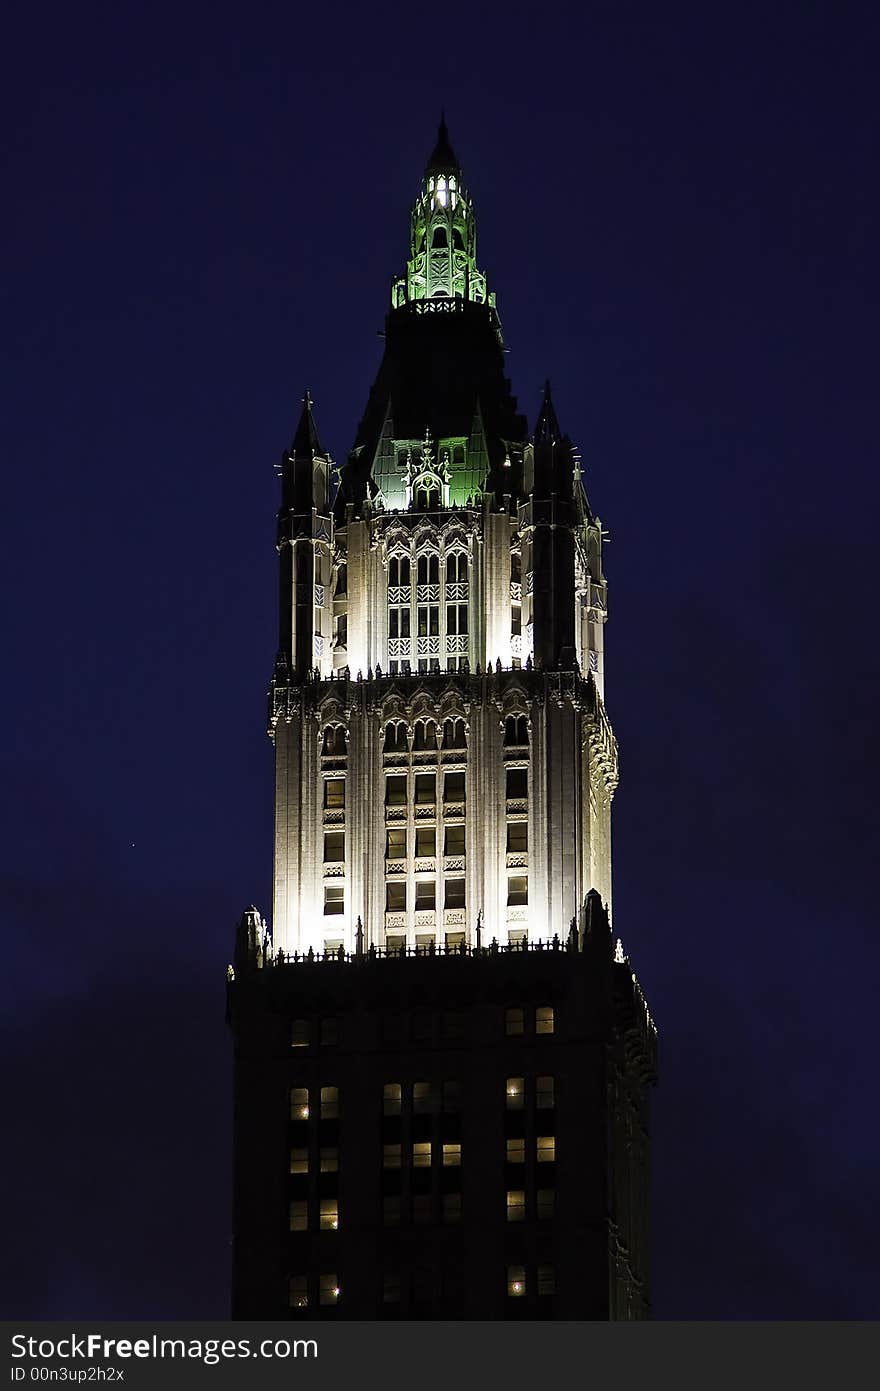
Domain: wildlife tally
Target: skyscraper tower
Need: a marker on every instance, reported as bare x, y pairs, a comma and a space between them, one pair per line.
442, 1059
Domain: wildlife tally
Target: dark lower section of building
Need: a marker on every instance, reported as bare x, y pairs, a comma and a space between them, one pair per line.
456, 1135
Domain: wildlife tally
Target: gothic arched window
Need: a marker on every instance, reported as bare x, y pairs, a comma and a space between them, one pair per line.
454, 736
516, 731
428, 568
425, 736
395, 738
335, 740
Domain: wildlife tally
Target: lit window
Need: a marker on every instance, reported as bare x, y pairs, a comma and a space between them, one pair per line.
451, 1208
544, 1020
544, 1094
334, 900
395, 791
391, 1156
451, 1156
328, 1290
515, 1091
391, 1210
329, 1103
299, 1160
426, 895
454, 893
516, 1281
426, 841
517, 890
516, 1151
391, 1095
299, 1033
329, 1032
426, 788
516, 1205
329, 1217
329, 1159
546, 1280
334, 794
422, 1208
395, 844
453, 787
334, 847
421, 1098
299, 1215
546, 1149
298, 1292
395, 896
514, 1022
517, 837
421, 1154
545, 1203
299, 1103
391, 1288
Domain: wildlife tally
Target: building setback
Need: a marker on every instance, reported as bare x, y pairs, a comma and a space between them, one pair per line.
442, 1058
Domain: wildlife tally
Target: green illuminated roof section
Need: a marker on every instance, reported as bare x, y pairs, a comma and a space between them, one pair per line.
443, 237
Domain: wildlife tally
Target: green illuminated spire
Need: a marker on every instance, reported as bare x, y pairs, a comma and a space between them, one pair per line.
443, 236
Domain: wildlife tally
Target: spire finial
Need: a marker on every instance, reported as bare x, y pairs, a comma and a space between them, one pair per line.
305, 440
443, 155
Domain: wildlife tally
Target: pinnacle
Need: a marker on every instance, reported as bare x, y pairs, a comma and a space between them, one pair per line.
305, 440
547, 429
443, 155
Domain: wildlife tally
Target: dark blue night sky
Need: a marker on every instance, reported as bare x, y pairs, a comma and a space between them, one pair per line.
678, 208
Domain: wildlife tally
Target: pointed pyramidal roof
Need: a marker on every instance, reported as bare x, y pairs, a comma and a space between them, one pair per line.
306, 443
547, 429
443, 155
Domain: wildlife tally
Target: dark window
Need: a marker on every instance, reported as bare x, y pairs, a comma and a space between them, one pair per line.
334, 900
395, 791
517, 783
453, 787
439, 238
426, 840
395, 896
426, 788
425, 735
516, 620
517, 837
454, 893
342, 580
516, 730
334, 846
299, 1033
514, 1021
515, 567
454, 840
426, 894
395, 843
517, 891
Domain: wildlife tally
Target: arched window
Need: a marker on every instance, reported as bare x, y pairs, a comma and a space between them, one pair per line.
398, 571
425, 736
457, 239
439, 239
515, 567
454, 736
395, 738
516, 731
456, 568
428, 568
335, 741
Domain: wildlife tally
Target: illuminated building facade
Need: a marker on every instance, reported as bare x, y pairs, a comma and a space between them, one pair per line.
442, 1061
